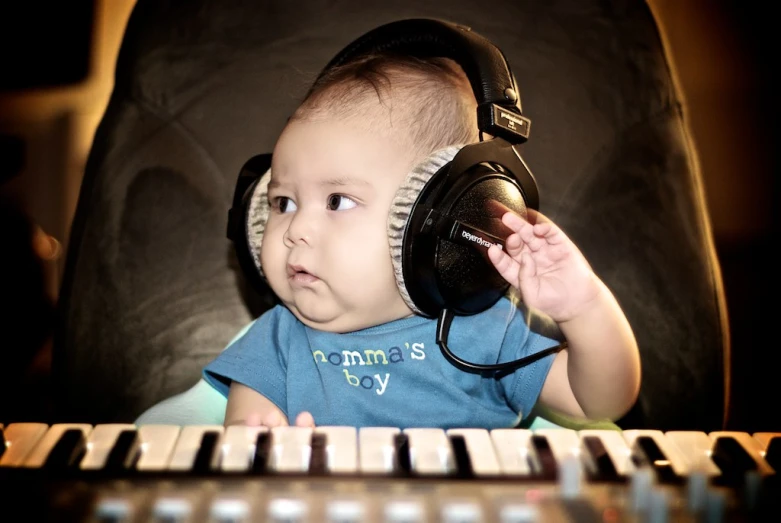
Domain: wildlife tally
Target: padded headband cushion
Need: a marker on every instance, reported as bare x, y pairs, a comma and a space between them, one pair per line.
401, 207
257, 215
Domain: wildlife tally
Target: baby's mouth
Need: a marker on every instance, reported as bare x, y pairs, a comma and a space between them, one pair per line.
298, 274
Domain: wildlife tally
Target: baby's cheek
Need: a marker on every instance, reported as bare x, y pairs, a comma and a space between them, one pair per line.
273, 261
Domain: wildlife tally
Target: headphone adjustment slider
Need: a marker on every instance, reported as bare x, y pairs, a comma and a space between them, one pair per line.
504, 123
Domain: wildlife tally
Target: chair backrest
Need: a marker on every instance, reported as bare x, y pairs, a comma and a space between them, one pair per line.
152, 290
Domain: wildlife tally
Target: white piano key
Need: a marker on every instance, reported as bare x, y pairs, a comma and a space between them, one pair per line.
565, 446
188, 444
376, 450
763, 438
157, 445
616, 447
100, 442
751, 445
291, 449
341, 448
430, 451
677, 461
695, 447
20, 439
481, 450
563, 442
238, 447
512, 449
38, 456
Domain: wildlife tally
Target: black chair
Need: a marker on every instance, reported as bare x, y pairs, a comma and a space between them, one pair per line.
152, 290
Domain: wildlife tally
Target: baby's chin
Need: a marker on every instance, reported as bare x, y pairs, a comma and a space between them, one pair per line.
345, 321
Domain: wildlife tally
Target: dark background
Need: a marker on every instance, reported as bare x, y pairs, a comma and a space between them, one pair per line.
56, 67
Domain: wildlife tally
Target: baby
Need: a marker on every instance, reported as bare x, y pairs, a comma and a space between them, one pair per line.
344, 347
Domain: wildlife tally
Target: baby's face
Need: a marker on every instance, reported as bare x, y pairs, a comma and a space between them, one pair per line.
325, 249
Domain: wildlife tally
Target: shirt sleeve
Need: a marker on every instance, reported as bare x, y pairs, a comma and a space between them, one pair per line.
522, 387
257, 358
199, 405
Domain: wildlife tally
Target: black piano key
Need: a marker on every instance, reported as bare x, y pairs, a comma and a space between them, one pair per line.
203, 458
402, 464
732, 459
68, 450
124, 453
318, 461
461, 454
543, 461
773, 454
603, 467
645, 452
262, 452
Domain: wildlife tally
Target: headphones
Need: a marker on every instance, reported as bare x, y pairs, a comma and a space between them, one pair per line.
448, 210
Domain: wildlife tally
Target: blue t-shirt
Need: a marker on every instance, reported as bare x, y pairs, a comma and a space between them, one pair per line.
392, 374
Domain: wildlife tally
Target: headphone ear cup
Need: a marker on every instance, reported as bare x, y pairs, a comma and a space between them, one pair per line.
401, 208
439, 265
450, 274
257, 210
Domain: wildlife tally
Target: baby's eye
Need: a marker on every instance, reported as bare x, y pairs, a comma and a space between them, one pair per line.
284, 204
338, 202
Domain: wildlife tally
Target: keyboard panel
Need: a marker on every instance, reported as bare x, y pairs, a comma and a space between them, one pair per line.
120, 472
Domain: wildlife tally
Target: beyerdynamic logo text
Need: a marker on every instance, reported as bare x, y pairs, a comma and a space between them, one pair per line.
478, 240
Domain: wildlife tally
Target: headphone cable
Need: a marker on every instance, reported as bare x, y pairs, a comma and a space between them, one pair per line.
496, 370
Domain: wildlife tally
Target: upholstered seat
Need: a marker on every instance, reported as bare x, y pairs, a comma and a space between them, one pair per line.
152, 290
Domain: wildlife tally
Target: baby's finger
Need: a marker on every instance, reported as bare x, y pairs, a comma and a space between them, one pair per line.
514, 222
504, 264
253, 420
305, 419
275, 419
544, 230
528, 267
513, 245
534, 217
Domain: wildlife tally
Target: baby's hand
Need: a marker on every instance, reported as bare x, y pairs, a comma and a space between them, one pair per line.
545, 266
305, 419
276, 419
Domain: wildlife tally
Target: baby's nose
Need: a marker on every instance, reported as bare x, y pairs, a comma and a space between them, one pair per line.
302, 228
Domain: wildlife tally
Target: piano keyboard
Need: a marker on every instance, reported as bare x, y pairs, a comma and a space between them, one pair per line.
121, 472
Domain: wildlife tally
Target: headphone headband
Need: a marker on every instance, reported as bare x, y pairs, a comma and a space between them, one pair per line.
494, 85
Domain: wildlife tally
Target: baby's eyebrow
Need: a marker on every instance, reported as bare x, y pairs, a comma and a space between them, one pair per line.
343, 181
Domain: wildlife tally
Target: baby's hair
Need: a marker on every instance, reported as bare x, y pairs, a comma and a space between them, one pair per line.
431, 99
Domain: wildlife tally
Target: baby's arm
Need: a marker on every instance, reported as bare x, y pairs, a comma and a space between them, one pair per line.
248, 407
598, 376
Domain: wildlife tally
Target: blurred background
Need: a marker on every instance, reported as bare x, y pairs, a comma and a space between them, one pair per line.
56, 78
